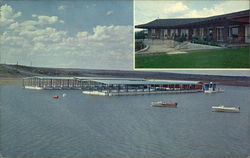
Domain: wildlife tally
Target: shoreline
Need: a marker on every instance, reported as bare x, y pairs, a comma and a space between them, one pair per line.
4, 81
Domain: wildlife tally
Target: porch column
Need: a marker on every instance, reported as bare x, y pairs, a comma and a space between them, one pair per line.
226, 38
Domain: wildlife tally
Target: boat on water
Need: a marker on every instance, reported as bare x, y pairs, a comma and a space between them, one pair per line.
222, 108
55, 97
163, 104
214, 91
211, 88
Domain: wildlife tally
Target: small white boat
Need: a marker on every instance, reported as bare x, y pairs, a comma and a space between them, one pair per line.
214, 91
163, 104
222, 108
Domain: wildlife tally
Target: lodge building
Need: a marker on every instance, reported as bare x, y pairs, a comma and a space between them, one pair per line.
226, 29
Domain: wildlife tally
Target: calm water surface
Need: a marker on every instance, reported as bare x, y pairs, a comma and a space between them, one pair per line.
35, 125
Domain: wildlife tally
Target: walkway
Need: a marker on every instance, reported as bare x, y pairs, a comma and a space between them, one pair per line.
171, 47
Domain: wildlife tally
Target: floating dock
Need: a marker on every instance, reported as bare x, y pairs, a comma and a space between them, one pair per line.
112, 86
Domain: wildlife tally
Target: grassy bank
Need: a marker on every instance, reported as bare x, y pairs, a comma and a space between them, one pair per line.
7, 72
9, 77
222, 58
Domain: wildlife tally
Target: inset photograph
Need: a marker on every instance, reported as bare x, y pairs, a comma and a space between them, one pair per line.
191, 34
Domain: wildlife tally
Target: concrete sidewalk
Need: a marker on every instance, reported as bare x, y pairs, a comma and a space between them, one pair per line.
171, 47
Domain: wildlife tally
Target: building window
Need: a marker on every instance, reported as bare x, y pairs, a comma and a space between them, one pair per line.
172, 32
153, 31
234, 31
201, 33
165, 32
220, 34
176, 32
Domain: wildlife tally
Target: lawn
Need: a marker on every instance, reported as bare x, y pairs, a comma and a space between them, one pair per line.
220, 58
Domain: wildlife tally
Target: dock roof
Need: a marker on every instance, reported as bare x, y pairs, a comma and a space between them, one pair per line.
145, 82
110, 78
52, 77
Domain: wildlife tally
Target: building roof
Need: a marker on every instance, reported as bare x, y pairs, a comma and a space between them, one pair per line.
168, 22
163, 23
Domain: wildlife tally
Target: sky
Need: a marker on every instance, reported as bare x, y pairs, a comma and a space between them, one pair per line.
146, 11
79, 34
89, 34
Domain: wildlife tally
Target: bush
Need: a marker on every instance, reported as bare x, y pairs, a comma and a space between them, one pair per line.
180, 39
139, 45
211, 43
140, 35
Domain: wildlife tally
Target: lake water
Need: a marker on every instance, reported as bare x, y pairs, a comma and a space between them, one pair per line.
35, 125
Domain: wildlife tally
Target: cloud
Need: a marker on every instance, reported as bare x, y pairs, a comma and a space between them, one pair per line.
176, 7
223, 7
7, 15
44, 20
146, 11
61, 7
36, 39
110, 12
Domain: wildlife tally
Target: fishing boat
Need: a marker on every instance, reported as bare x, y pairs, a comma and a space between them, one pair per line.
163, 104
55, 97
222, 108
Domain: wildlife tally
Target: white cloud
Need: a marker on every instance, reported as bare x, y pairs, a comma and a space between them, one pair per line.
146, 11
45, 20
37, 40
7, 15
110, 12
223, 7
39, 46
61, 7
176, 7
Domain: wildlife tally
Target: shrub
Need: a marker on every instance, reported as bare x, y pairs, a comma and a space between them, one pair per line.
211, 43
140, 35
139, 45
180, 39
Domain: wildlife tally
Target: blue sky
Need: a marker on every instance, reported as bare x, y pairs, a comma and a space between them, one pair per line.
78, 15
80, 34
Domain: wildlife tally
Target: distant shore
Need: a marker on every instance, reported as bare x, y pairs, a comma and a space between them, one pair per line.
10, 81
13, 74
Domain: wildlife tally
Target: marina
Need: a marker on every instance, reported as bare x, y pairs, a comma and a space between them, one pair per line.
105, 86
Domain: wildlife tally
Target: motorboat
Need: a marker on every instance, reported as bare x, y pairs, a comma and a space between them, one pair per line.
214, 91
222, 108
163, 104
55, 97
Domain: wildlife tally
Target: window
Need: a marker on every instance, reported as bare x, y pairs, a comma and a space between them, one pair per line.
153, 31
220, 34
210, 32
234, 31
172, 32
165, 32
201, 32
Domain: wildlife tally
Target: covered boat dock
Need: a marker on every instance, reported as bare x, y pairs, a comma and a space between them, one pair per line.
113, 86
